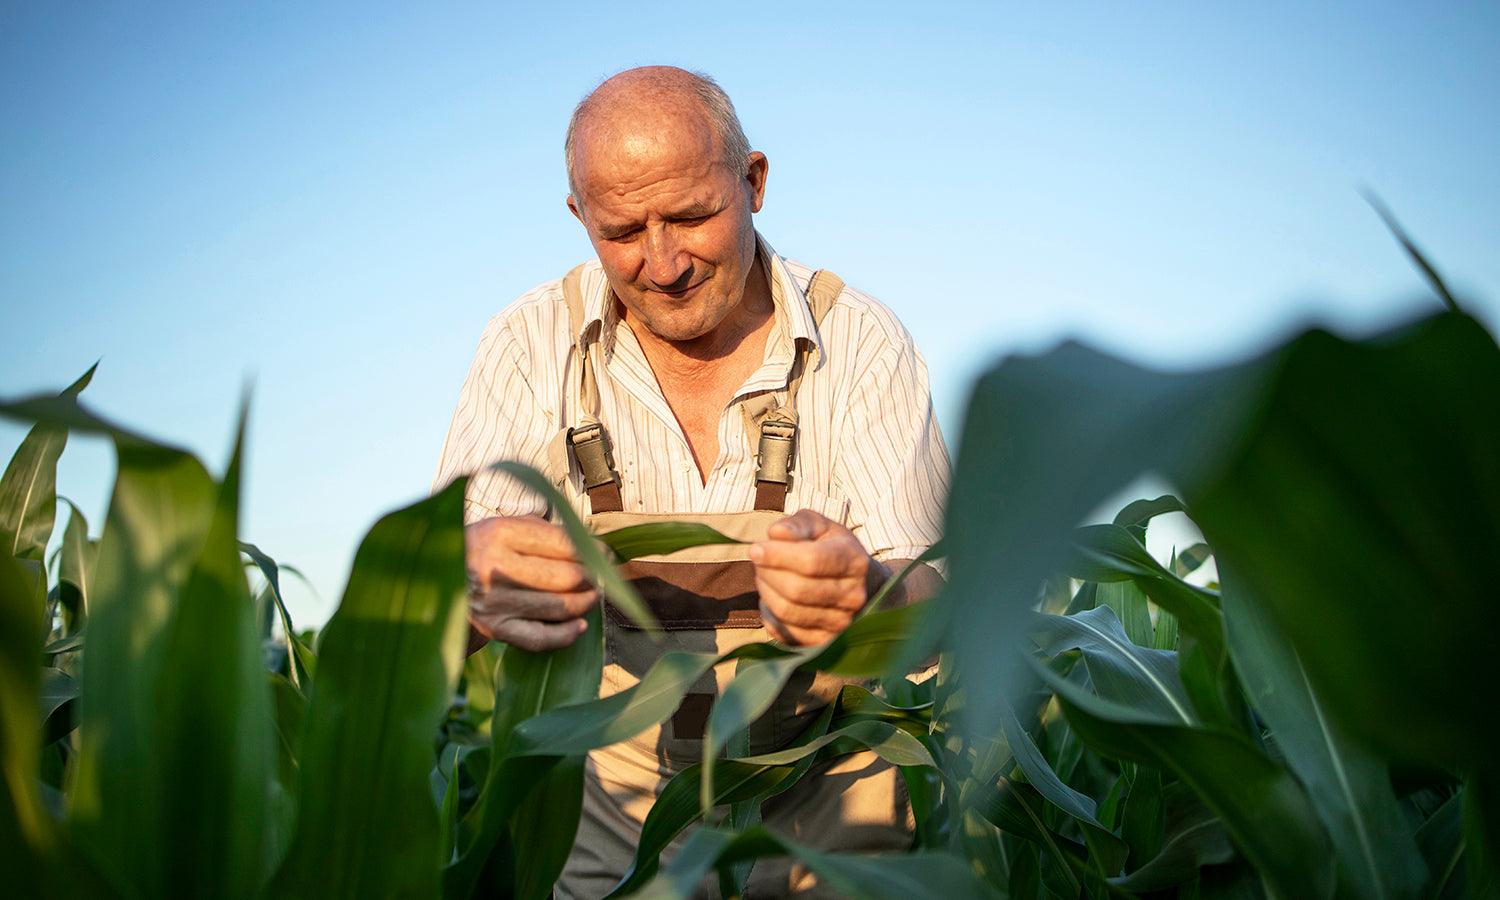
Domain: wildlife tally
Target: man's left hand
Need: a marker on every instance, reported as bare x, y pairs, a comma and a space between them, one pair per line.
813, 576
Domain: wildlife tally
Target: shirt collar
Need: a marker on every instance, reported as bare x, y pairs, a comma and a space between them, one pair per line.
792, 312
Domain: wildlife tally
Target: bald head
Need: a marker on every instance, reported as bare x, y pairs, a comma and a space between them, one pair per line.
657, 100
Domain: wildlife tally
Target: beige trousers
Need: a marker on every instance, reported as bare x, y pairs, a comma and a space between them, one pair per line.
705, 598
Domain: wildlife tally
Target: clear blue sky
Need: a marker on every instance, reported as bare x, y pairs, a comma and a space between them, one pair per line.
332, 200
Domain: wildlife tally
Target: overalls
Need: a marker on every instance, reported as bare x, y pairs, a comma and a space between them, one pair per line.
706, 601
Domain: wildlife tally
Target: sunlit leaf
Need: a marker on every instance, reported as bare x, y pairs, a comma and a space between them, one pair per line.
387, 663
28, 489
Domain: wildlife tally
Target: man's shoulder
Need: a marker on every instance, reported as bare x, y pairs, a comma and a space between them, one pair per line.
856, 314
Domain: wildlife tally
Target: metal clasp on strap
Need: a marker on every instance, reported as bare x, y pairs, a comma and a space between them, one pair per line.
775, 452
591, 447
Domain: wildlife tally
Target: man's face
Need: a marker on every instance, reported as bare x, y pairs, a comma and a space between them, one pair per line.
670, 222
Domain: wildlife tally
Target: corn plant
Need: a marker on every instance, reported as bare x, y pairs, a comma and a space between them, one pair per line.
1310, 724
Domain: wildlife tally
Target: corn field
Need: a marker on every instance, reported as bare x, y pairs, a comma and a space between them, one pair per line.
1312, 723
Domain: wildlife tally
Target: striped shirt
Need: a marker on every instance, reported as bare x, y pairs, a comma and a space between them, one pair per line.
869, 452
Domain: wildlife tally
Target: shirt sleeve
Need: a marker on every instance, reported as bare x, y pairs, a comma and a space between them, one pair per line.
498, 418
891, 460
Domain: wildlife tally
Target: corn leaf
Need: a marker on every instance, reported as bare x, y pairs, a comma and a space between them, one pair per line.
1140, 677
25, 831
1338, 479
1263, 807
28, 489
59, 696
518, 786
1194, 838
1040, 775
214, 741
600, 568
544, 823
387, 664
155, 534
75, 570
897, 877
1375, 843
300, 658
654, 538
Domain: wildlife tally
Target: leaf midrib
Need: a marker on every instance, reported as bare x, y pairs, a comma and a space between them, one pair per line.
1125, 651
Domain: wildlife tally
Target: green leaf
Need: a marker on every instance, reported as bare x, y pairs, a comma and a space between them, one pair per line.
1339, 479
289, 712
1109, 553
1417, 257
601, 570
1041, 776
1121, 671
1141, 814
1018, 809
1373, 479
1264, 808
747, 697
66, 644
76, 568
678, 804
387, 664
213, 747
1441, 840
656, 538
59, 692
1194, 838
25, 829
522, 787
154, 691
160, 513
545, 823
1375, 845
300, 658
888, 742
28, 489
1131, 608
1137, 514
898, 876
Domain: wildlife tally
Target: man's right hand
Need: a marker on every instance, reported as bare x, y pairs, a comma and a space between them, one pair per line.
525, 584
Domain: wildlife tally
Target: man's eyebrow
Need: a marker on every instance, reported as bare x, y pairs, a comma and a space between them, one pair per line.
610, 228
696, 210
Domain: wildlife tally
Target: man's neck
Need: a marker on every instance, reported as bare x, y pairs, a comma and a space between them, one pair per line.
741, 333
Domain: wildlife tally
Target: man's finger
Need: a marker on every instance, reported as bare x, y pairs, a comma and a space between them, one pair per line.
537, 573
802, 525
546, 606
808, 637
845, 592
823, 618
531, 536
773, 624
529, 634
816, 559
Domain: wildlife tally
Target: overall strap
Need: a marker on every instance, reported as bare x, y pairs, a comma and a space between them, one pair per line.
588, 442
778, 423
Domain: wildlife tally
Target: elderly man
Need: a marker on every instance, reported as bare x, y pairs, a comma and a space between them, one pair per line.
692, 373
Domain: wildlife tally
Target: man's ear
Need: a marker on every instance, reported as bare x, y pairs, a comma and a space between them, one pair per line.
756, 176
577, 212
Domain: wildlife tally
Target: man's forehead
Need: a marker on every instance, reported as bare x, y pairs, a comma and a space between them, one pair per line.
619, 163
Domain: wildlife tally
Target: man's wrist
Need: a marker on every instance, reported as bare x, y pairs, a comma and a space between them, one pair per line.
876, 577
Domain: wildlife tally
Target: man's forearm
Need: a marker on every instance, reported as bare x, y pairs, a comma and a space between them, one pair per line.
920, 584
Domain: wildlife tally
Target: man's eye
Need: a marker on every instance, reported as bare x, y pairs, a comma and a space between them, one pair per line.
622, 237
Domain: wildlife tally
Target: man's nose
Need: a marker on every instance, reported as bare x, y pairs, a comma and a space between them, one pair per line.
667, 263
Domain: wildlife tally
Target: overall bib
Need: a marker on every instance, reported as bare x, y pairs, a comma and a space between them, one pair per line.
706, 601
